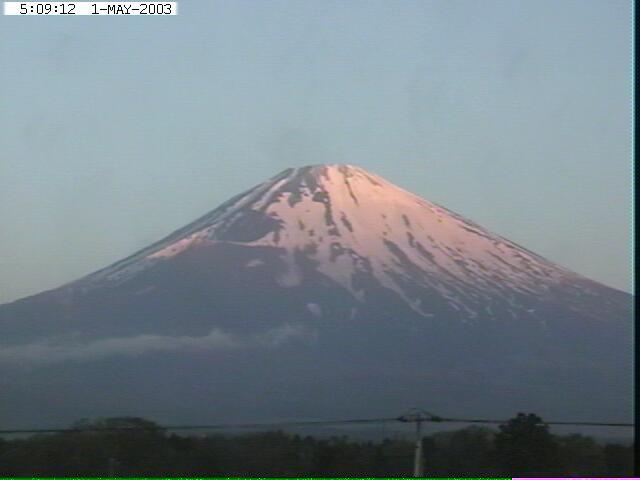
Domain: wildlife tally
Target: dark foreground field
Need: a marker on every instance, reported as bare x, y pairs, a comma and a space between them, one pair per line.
136, 447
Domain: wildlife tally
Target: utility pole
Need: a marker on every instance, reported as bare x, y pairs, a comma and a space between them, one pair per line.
418, 460
418, 416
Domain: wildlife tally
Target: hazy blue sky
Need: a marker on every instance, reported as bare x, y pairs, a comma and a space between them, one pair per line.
117, 130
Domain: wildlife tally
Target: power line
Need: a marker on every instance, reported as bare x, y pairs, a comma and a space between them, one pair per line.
587, 424
218, 426
310, 423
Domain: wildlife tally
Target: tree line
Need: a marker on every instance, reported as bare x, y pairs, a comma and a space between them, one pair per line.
129, 446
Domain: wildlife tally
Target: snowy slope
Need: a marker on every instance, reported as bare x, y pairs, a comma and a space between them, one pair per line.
352, 223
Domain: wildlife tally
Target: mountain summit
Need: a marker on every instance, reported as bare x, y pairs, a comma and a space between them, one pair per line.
358, 231
341, 282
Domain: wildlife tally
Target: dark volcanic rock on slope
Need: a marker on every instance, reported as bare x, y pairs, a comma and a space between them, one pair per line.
324, 291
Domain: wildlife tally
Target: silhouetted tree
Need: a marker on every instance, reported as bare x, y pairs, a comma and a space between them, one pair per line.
136, 447
463, 452
524, 447
618, 460
581, 456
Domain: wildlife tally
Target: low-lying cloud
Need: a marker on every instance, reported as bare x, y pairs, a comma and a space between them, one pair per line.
57, 351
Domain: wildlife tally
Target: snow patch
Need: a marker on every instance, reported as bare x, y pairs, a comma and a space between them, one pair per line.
315, 309
144, 290
177, 247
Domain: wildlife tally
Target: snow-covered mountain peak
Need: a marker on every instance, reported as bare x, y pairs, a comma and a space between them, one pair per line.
327, 278
354, 225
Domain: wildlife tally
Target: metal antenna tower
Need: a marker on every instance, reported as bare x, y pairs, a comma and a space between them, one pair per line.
418, 416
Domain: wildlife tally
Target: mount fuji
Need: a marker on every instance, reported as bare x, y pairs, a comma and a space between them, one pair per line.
325, 291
